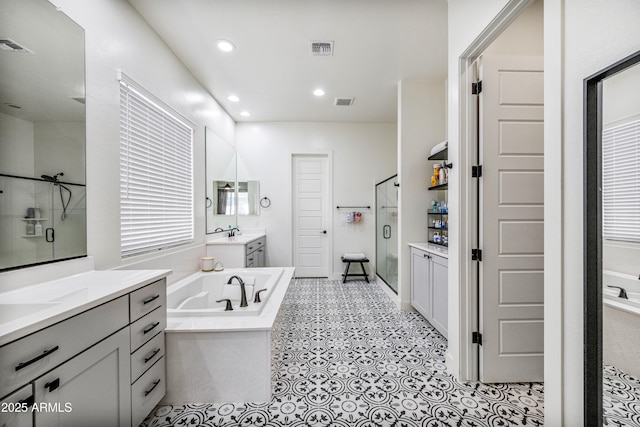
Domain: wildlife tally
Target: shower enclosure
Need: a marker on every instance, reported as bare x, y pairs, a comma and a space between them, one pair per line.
387, 232
41, 220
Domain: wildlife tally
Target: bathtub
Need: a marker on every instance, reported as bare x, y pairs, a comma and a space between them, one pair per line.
213, 355
621, 323
197, 294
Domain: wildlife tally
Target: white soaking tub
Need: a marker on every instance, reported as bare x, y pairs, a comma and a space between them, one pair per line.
621, 322
214, 355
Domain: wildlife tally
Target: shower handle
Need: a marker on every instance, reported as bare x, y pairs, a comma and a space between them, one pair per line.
49, 235
386, 231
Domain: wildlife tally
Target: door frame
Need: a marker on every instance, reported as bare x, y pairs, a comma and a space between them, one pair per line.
329, 226
468, 303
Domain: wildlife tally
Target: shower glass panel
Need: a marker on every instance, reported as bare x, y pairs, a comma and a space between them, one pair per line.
387, 232
41, 221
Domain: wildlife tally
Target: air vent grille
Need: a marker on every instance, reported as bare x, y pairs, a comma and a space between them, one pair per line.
344, 102
321, 48
12, 46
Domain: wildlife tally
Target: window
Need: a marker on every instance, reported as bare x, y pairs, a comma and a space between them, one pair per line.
621, 182
156, 173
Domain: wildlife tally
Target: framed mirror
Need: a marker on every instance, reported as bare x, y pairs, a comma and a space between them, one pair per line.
612, 243
220, 178
42, 135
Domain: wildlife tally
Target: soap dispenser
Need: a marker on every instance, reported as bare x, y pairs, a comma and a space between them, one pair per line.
38, 229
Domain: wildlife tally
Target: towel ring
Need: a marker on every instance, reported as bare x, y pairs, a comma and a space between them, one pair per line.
265, 202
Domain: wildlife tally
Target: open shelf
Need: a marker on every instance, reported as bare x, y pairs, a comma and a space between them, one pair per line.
440, 187
440, 155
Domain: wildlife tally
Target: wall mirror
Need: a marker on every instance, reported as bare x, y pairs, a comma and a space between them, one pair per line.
42, 135
612, 244
220, 178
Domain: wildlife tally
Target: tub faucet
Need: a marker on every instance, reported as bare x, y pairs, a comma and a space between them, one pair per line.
243, 292
623, 292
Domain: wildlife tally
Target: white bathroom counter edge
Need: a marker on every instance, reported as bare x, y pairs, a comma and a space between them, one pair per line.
442, 251
100, 286
241, 239
260, 322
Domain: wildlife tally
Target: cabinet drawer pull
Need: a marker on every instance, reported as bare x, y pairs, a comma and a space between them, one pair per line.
150, 328
35, 359
155, 384
52, 385
148, 300
29, 401
250, 247
152, 355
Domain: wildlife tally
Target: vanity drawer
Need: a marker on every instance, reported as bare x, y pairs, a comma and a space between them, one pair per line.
255, 245
25, 359
147, 392
147, 299
146, 356
142, 330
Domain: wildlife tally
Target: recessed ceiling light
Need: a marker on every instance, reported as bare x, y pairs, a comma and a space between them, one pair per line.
245, 114
318, 92
233, 98
225, 45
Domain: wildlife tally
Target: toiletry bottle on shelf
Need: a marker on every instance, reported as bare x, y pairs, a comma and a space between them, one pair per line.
38, 228
31, 229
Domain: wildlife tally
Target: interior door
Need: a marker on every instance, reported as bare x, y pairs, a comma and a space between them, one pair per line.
310, 215
511, 219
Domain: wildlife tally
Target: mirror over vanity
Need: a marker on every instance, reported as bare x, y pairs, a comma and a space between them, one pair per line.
227, 194
612, 244
42, 135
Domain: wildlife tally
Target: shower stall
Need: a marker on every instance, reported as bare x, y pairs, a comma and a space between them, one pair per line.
41, 220
387, 232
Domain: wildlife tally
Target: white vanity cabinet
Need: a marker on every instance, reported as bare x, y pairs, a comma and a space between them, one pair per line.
15, 409
103, 366
429, 279
240, 251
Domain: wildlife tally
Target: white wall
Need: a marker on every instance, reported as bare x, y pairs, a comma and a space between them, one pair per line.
362, 153
16, 146
596, 35
118, 39
524, 36
421, 125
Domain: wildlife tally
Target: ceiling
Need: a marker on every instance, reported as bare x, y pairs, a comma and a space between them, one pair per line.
377, 43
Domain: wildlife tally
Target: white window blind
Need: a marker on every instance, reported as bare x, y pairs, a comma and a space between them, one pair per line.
621, 182
156, 174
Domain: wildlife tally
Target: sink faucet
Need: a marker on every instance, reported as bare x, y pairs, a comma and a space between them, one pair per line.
243, 292
232, 232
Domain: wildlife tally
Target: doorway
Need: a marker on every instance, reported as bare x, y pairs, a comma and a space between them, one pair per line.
502, 181
311, 214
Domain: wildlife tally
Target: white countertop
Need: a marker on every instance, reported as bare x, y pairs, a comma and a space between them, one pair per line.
439, 250
263, 321
31, 308
241, 239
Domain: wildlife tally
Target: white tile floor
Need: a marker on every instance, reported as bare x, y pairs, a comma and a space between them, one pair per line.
343, 355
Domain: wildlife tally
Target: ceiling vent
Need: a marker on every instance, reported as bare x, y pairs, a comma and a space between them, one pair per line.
344, 102
321, 48
12, 46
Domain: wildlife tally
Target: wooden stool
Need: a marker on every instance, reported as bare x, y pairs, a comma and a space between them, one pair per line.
360, 259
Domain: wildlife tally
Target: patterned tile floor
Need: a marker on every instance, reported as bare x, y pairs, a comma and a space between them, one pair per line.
343, 355
621, 398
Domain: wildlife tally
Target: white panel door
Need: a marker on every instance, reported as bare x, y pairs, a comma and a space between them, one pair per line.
511, 219
310, 215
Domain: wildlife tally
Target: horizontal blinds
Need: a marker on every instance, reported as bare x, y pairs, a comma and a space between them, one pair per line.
156, 175
621, 182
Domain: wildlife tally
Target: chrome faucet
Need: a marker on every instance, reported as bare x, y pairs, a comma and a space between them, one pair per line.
243, 292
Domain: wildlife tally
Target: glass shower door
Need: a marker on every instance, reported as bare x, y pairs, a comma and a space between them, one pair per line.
387, 232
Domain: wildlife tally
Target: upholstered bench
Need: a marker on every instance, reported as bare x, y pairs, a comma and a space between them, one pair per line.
358, 257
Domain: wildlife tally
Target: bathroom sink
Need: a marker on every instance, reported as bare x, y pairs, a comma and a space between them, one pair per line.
9, 312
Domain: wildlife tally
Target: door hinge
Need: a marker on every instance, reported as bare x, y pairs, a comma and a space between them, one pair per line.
476, 171
476, 338
476, 88
476, 254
